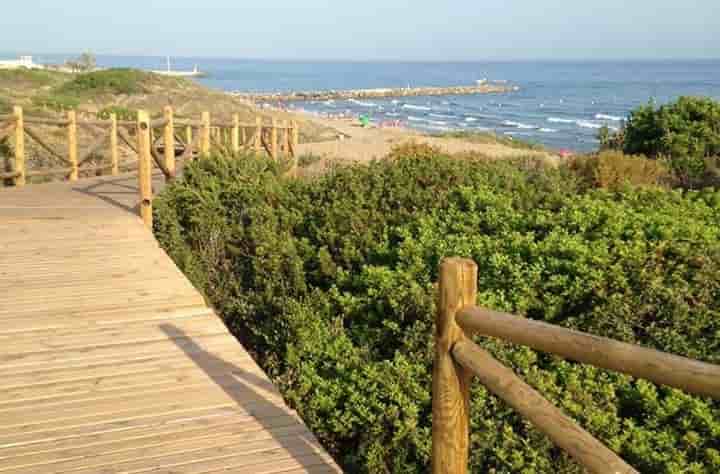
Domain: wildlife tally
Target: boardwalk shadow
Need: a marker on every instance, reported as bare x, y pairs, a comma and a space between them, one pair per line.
249, 391
120, 191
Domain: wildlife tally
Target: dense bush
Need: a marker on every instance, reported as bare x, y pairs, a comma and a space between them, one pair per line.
121, 113
110, 81
686, 132
615, 170
330, 282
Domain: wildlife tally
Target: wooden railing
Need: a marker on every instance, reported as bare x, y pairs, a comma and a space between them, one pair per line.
457, 359
170, 138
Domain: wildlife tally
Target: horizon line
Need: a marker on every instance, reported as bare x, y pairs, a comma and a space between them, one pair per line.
378, 60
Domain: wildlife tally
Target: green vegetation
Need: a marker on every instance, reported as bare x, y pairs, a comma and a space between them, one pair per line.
56, 102
111, 81
23, 77
122, 113
615, 170
330, 282
5, 106
686, 134
491, 139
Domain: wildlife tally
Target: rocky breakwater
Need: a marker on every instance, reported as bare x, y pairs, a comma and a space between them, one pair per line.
377, 93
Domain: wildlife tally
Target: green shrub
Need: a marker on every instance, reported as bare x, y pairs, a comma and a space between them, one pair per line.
56, 102
614, 170
110, 81
686, 132
330, 283
122, 113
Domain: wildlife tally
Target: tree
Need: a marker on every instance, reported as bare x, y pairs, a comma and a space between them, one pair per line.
84, 63
686, 133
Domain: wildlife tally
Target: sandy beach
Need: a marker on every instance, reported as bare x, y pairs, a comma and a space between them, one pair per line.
359, 144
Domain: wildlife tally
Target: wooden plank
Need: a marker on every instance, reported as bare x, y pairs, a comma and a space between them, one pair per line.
110, 359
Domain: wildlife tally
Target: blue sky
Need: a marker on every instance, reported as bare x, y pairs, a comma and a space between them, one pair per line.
367, 29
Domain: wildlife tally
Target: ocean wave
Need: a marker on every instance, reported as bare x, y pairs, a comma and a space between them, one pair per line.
613, 118
362, 104
442, 116
415, 107
510, 123
560, 120
428, 121
392, 114
471, 119
588, 124
548, 130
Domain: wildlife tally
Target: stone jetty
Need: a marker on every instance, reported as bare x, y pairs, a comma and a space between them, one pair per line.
377, 93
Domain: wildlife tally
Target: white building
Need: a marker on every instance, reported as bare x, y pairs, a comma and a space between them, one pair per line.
23, 61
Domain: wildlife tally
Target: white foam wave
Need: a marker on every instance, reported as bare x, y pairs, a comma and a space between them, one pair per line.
362, 104
393, 114
415, 107
612, 118
415, 119
441, 116
560, 120
548, 130
510, 123
471, 119
588, 124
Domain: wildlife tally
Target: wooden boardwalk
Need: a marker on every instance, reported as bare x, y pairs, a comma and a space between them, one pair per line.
110, 360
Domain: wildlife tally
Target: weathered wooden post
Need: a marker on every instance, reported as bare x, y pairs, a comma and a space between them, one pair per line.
243, 136
189, 137
205, 134
274, 139
114, 155
258, 134
144, 167
235, 138
169, 139
72, 132
451, 382
295, 141
19, 146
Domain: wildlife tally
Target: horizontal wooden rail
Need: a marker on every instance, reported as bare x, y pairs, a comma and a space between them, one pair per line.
9, 174
47, 121
157, 123
457, 358
562, 430
666, 369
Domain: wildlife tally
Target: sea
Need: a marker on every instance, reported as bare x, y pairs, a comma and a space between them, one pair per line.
560, 104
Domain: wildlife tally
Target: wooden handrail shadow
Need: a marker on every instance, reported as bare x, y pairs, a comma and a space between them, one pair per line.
247, 393
118, 191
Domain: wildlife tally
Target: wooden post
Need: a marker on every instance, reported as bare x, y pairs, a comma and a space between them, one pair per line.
295, 141
205, 135
72, 132
114, 156
274, 139
258, 134
243, 136
19, 146
169, 140
236, 135
144, 167
451, 382
188, 135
